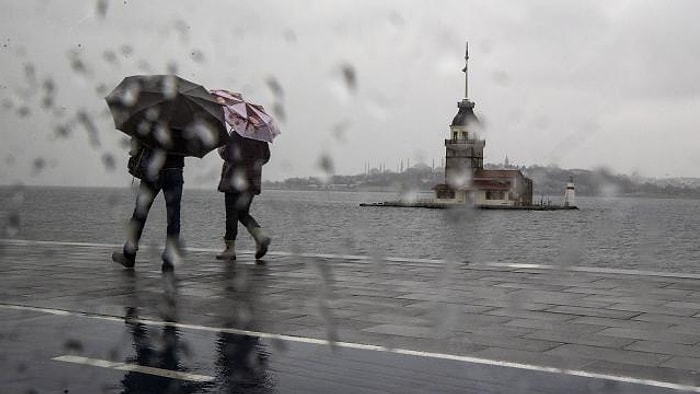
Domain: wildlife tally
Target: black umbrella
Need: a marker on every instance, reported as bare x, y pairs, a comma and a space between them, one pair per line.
169, 113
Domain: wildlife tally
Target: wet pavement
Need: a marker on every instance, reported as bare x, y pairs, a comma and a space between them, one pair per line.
75, 322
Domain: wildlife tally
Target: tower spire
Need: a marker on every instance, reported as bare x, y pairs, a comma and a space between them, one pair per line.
465, 70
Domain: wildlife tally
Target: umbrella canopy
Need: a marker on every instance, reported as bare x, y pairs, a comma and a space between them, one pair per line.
169, 113
247, 119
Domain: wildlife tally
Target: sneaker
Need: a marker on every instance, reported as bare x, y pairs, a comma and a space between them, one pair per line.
128, 261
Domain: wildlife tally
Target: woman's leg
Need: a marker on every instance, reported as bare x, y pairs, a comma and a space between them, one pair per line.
244, 216
232, 212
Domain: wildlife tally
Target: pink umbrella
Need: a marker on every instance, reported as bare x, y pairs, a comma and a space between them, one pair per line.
247, 119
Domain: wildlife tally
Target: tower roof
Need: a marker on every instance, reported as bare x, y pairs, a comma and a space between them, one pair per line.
465, 116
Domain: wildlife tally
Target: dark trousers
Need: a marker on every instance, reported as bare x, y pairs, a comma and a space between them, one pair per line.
238, 210
170, 182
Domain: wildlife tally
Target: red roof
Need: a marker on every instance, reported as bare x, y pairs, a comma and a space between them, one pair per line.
491, 184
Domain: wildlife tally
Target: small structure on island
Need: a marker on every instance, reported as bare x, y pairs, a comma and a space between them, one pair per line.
570, 194
466, 180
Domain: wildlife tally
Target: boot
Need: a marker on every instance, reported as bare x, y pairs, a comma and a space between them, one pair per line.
262, 242
126, 259
230, 252
171, 256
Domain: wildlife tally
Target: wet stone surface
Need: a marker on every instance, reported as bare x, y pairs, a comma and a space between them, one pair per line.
72, 297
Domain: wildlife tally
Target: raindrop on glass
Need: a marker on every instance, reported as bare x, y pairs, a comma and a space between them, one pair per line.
349, 76
170, 87
101, 8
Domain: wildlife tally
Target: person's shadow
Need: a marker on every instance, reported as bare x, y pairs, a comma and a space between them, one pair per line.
157, 347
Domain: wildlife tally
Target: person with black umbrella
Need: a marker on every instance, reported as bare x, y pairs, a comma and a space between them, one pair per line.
168, 118
158, 171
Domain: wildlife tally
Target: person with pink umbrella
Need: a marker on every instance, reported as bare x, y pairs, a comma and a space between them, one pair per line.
250, 129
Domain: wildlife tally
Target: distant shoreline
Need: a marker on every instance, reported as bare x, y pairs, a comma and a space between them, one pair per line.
536, 196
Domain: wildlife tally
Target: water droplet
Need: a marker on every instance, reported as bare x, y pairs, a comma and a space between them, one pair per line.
172, 68
77, 63
102, 90
12, 227
126, 50
86, 121
73, 346
278, 110
38, 165
201, 133
163, 136
62, 131
110, 56
30, 73
170, 87
197, 56
109, 162
101, 8
23, 111
349, 76
275, 87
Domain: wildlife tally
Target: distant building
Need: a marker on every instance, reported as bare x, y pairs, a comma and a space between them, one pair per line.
466, 181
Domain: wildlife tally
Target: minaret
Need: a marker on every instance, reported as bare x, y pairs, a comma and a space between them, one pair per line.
570, 194
464, 151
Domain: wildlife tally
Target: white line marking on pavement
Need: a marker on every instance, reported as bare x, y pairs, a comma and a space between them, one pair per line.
375, 348
166, 373
516, 266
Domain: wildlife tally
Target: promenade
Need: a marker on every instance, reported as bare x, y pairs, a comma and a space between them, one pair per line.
605, 330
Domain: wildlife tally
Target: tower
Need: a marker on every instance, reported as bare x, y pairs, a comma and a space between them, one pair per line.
464, 151
570, 194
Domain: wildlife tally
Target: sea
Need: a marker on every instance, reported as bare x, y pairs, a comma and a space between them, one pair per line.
611, 232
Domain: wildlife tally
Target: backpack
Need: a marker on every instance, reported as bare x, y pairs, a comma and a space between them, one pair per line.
139, 157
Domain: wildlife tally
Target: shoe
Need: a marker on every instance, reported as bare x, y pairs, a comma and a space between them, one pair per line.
128, 261
170, 257
229, 253
167, 267
262, 242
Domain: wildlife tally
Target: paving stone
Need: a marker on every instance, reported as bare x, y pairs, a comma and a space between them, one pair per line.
686, 363
658, 373
693, 322
683, 304
524, 314
595, 312
395, 329
655, 309
550, 325
651, 335
530, 345
665, 348
615, 355
602, 321
581, 339
431, 306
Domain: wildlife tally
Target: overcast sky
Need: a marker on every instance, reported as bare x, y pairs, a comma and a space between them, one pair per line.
579, 84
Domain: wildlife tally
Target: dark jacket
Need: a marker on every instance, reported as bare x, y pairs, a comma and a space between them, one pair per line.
243, 161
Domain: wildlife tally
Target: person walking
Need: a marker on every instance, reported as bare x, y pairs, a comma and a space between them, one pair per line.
240, 182
158, 171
